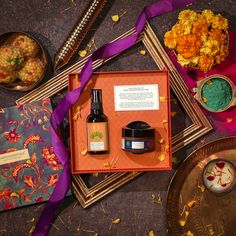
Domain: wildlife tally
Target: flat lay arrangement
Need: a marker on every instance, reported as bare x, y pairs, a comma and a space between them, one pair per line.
118, 118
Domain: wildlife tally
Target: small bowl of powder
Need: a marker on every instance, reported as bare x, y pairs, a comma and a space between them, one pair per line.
216, 93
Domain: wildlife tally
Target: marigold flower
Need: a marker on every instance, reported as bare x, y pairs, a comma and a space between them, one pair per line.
187, 15
205, 62
170, 40
200, 27
207, 15
210, 47
219, 22
218, 35
224, 51
182, 61
182, 28
188, 46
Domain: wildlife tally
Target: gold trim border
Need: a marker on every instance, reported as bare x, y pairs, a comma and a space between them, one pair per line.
200, 124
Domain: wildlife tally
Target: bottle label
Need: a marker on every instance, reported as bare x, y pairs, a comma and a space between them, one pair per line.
97, 136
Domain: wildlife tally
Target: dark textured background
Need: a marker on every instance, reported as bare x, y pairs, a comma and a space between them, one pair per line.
50, 21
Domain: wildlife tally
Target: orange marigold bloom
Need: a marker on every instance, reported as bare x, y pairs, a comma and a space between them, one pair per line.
170, 39
219, 22
188, 45
218, 35
200, 27
224, 51
205, 62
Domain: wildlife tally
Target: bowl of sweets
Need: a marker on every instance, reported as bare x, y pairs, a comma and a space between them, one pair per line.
23, 61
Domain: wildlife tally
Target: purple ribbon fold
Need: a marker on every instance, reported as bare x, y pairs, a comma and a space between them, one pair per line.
106, 51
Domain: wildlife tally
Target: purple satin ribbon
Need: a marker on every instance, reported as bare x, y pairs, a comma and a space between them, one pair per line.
106, 51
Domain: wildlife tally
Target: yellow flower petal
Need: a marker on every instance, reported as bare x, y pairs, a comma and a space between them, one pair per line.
182, 223
151, 233
143, 52
202, 188
173, 113
204, 99
95, 234
116, 221
166, 148
186, 214
163, 99
174, 160
95, 174
84, 152
83, 53
161, 141
189, 233
153, 196
115, 18
164, 122
32, 229
161, 157
191, 203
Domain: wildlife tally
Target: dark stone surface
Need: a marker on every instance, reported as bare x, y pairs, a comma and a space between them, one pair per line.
50, 21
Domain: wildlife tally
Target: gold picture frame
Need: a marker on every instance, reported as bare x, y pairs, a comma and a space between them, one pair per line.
200, 124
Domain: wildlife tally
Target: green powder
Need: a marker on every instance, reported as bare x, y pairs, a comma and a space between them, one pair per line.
216, 94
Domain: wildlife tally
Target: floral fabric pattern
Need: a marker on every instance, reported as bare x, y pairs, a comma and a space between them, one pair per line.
30, 181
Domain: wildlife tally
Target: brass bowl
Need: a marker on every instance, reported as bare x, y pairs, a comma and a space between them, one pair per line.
41, 55
201, 83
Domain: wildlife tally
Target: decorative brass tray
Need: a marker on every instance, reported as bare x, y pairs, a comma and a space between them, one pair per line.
211, 214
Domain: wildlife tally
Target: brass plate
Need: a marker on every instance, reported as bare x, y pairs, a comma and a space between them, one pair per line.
212, 214
198, 127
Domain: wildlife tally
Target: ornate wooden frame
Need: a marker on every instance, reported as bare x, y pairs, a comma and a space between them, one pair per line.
200, 124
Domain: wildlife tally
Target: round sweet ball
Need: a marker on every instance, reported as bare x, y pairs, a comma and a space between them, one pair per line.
27, 45
11, 58
31, 71
7, 77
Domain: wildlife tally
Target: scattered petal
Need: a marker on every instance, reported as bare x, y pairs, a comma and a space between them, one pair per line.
164, 122
189, 233
161, 141
106, 164
159, 199
115, 18
186, 214
143, 52
163, 99
153, 196
31, 221
83, 53
173, 114
32, 229
161, 157
229, 120
84, 152
204, 99
174, 160
95, 174
166, 148
151, 233
134, 174
116, 221
202, 188
78, 228
95, 234
191, 203
182, 223
209, 82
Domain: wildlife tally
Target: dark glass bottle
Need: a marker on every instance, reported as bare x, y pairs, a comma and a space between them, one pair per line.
97, 125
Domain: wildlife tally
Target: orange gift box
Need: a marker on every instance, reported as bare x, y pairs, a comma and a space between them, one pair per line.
118, 160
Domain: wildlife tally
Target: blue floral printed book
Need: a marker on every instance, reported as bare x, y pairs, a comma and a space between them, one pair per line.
29, 169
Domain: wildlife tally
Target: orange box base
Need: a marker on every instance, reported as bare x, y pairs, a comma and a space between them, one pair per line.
118, 160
